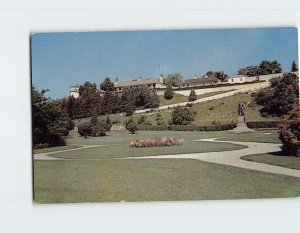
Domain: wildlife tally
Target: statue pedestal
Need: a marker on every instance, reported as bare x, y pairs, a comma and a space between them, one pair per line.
242, 126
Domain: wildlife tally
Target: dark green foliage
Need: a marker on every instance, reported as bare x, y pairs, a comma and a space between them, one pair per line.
153, 100
159, 119
264, 68
142, 96
71, 107
108, 124
290, 131
107, 85
220, 75
108, 104
169, 93
182, 116
85, 129
278, 99
173, 79
128, 101
192, 96
49, 122
294, 67
131, 126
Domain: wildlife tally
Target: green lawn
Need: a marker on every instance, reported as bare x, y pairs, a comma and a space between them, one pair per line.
177, 98
275, 159
105, 179
153, 180
224, 111
56, 148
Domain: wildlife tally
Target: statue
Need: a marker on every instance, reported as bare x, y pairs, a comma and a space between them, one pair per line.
241, 109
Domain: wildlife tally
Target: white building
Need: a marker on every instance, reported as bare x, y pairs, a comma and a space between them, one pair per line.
241, 79
74, 91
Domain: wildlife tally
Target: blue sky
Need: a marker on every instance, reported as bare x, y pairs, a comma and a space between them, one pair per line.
60, 60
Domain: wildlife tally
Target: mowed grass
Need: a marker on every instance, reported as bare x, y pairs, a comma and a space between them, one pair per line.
223, 111
275, 159
118, 145
153, 180
56, 148
177, 98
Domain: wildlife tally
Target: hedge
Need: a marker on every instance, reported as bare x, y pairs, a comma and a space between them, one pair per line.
254, 125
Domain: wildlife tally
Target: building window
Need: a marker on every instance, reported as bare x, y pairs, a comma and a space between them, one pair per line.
241, 79
232, 80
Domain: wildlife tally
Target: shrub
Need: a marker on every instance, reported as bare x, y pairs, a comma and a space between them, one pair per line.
156, 142
144, 120
85, 129
192, 96
169, 93
131, 126
182, 116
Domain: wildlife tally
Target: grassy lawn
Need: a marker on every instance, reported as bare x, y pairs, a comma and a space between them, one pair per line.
177, 98
275, 159
118, 145
224, 111
153, 180
56, 148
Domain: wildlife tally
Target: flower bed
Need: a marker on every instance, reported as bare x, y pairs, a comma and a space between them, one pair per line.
156, 141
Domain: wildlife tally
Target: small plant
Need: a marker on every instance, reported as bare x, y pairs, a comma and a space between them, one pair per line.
156, 142
131, 126
192, 96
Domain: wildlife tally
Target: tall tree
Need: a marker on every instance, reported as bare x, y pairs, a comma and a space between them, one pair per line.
153, 100
278, 99
192, 96
127, 101
294, 67
88, 99
107, 85
173, 79
169, 93
142, 95
49, 122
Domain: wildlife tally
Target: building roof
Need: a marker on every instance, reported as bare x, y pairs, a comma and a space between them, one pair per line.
200, 80
238, 76
136, 83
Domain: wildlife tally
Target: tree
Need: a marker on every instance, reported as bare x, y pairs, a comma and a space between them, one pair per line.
71, 107
220, 75
279, 98
127, 101
107, 85
131, 126
85, 129
182, 116
173, 79
153, 100
169, 93
108, 104
108, 124
294, 67
290, 131
249, 71
192, 96
142, 96
49, 122
88, 99
264, 68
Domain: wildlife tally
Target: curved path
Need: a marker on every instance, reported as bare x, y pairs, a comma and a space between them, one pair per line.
229, 158
44, 156
233, 158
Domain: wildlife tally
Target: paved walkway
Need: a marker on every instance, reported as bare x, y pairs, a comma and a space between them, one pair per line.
44, 156
233, 158
230, 158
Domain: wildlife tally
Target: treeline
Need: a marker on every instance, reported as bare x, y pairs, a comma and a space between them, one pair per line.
105, 101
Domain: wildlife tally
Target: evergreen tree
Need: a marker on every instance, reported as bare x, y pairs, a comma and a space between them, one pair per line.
131, 126
127, 101
108, 124
107, 85
159, 119
108, 104
278, 99
142, 95
169, 93
49, 122
192, 96
88, 99
294, 67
